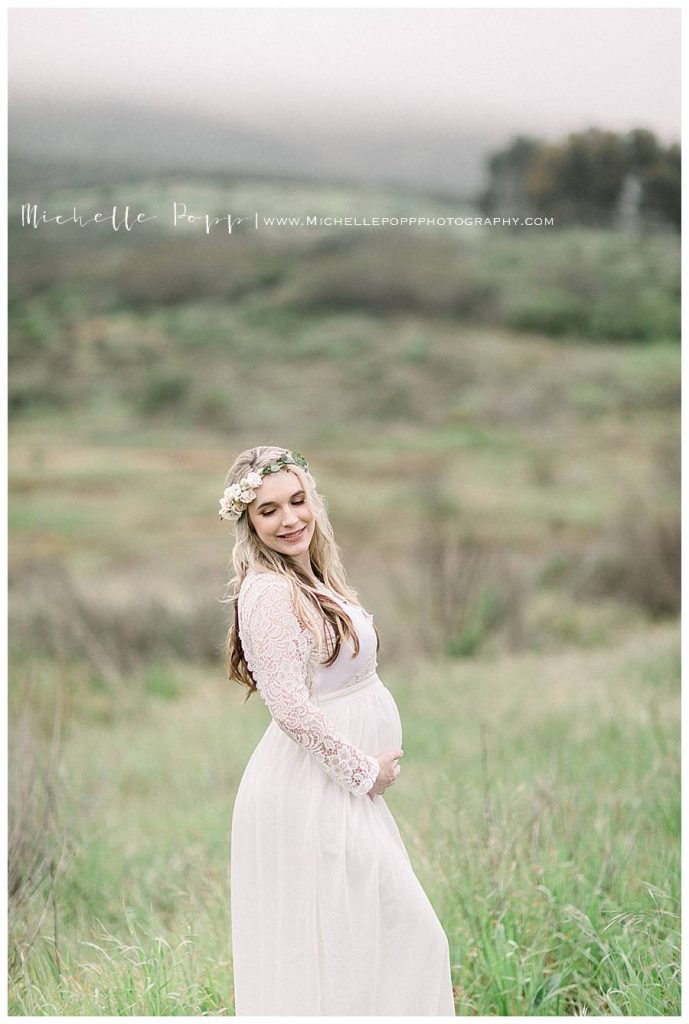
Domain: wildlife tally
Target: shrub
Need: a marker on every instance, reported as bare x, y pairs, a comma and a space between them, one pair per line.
638, 559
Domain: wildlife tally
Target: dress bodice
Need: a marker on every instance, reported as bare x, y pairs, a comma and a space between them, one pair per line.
285, 660
348, 669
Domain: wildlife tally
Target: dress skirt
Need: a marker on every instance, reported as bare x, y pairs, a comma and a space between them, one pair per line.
328, 917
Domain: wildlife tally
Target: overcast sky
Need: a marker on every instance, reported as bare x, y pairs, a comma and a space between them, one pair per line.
536, 69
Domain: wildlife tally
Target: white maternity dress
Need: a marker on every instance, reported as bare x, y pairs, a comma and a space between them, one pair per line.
328, 917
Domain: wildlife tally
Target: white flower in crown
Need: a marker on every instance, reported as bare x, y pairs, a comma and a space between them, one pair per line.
227, 509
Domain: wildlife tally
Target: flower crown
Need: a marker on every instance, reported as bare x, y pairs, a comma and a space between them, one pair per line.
238, 496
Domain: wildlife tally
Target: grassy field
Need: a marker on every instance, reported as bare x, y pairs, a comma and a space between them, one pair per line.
539, 803
495, 427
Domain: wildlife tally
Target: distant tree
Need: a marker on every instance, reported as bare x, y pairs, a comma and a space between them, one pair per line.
642, 148
583, 178
662, 187
507, 169
516, 157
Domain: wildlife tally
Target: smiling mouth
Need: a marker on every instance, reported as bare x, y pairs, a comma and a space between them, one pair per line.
292, 536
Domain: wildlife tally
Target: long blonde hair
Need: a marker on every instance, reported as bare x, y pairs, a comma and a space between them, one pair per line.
249, 552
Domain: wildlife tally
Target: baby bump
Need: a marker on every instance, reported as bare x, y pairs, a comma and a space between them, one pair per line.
390, 722
368, 718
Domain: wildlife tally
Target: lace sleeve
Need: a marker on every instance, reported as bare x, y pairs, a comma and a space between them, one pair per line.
277, 649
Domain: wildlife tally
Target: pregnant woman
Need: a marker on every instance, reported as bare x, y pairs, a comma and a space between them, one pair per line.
328, 917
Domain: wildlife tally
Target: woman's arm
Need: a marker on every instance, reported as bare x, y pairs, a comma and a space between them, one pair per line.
277, 649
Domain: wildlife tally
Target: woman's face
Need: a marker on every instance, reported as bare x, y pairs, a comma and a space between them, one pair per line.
280, 509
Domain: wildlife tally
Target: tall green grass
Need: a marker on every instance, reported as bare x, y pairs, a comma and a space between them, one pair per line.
539, 801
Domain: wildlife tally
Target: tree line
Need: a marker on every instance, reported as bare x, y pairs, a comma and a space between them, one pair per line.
592, 177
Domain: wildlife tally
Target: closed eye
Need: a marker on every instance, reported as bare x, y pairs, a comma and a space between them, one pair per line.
270, 512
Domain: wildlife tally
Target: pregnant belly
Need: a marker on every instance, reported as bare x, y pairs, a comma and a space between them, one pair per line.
391, 726
369, 719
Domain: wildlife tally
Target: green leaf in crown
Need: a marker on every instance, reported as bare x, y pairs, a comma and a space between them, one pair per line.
290, 458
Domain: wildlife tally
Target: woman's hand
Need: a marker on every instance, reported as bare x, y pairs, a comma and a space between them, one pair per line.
389, 770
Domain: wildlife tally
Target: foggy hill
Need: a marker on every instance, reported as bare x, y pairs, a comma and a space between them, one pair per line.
123, 134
